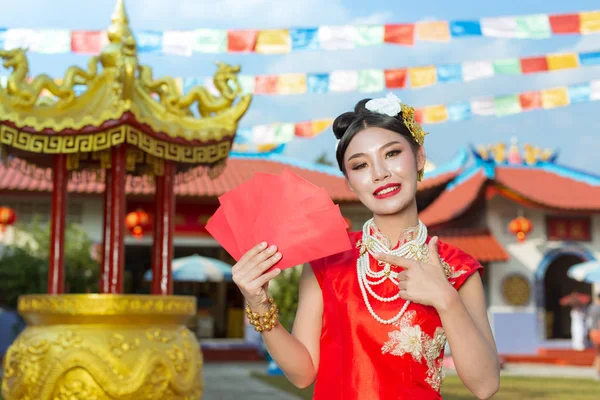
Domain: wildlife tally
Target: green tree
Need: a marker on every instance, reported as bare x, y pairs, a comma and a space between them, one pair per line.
284, 290
24, 270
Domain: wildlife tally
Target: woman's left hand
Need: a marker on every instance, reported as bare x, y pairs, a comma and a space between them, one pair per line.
422, 282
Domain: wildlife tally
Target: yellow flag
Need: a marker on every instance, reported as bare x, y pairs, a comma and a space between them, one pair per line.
320, 125
273, 41
557, 97
433, 31
422, 76
291, 83
562, 61
435, 114
589, 22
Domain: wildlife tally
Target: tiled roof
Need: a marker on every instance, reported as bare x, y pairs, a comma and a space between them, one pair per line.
483, 246
550, 189
238, 171
456, 199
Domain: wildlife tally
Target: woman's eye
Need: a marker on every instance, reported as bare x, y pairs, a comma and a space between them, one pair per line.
359, 166
392, 153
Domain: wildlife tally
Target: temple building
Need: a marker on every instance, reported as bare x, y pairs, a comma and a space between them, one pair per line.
524, 216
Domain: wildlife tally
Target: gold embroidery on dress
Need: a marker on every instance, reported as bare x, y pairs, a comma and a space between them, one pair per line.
410, 339
451, 273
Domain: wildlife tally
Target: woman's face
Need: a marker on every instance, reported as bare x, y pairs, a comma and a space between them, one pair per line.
381, 169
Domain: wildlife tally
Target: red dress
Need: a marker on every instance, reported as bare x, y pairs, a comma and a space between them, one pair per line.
363, 359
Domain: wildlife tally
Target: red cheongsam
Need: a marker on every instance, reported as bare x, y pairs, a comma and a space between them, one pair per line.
362, 359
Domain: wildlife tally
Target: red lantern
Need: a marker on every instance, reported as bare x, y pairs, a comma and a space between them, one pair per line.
136, 221
520, 227
7, 217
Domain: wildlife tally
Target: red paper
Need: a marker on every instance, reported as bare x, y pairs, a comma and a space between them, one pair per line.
534, 64
403, 34
287, 211
565, 24
242, 41
218, 227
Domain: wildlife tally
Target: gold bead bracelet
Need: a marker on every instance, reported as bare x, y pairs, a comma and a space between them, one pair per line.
265, 322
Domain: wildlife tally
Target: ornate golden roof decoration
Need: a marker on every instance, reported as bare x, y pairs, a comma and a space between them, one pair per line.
118, 90
529, 155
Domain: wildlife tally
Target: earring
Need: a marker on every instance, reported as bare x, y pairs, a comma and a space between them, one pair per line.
420, 175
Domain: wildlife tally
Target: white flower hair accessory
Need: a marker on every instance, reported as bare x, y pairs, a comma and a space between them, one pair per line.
389, 105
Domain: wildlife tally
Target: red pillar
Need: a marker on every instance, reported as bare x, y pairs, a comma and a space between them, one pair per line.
163, 226
113, 252
106, 235
60, 180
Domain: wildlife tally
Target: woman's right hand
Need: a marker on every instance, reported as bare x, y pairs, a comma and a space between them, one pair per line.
249, 273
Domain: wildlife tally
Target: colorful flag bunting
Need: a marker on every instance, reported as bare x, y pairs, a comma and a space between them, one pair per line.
270, 137
371, 80
556, 97
530, 100
304, 38
422, 76
433, 31
533, 27
269, 41
365, 81
369, 35
210, 41
564, 24
562, 61
590, 22
465, 28
151, 42
273, 42
402, 34
509, 66
291, 84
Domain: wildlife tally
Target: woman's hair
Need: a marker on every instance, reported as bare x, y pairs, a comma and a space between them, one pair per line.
347, 125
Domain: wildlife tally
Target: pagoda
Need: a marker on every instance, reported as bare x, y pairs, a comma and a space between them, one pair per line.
112, 121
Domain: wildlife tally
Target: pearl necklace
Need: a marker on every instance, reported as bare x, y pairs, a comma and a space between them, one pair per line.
371, 244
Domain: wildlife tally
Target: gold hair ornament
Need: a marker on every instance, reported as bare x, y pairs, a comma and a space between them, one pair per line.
391, 105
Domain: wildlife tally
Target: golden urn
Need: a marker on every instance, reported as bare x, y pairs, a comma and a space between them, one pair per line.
101, 347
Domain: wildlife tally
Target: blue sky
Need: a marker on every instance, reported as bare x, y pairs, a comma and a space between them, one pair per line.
573, 130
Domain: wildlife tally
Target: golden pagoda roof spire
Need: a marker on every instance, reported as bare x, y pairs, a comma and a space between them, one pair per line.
118, 101
119, 26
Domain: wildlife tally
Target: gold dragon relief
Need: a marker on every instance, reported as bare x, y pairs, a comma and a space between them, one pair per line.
25, 93
89, 363
171, 97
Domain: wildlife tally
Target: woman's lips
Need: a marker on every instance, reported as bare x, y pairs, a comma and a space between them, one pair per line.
387, 191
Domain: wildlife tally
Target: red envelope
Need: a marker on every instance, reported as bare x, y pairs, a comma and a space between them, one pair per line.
220, 230
310, 237
286, 210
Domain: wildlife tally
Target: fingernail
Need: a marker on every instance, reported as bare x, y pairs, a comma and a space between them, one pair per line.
263, 244
277, 256
273, 247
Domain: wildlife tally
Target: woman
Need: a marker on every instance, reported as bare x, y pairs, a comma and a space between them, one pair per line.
372, 322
